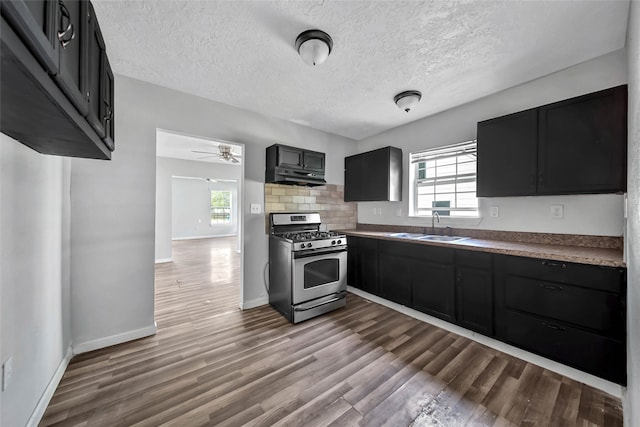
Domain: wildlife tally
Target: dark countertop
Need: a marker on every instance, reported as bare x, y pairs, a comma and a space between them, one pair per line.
578, 254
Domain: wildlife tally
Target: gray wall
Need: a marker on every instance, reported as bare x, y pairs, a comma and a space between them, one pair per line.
632, 402
191, 208
34, 274
593, 214
165, 169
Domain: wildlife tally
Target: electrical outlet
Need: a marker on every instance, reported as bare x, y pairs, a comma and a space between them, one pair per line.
379, 211
7, 372
494, 212
374, 210
256, 209
557, 211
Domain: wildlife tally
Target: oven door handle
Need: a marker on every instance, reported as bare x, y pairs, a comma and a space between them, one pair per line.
319, 252
315, 304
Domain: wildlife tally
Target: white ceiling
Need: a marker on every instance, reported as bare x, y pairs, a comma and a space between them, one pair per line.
242, 53
178, 146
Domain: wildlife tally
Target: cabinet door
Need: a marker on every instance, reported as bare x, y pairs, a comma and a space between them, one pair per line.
368, 265
72, 75
352, 262
507, 153
107, 107
313, 161
96, 65
35, 23
375, 175
394, 275
582, 144
432, 288
474, 298
353, 178
290, 157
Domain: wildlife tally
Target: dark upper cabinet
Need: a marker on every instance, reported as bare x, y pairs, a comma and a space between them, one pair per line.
293, 165
67, 88
582, 144
474, 291
72, 76
507, 155
576, 146
36, 22
374, 176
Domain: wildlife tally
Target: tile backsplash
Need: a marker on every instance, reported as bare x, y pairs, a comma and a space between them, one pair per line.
328, 200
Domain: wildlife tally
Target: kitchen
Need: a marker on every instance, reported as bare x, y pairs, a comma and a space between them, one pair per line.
105, 230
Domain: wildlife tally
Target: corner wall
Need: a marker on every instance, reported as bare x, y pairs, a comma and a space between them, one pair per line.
632, 398
588, 214
34, 277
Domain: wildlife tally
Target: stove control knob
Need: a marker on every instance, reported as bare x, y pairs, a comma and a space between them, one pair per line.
333, 242
339, 241
308, 245
302, 246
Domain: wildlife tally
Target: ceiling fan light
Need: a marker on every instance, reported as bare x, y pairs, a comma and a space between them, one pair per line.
314, 46
407, 100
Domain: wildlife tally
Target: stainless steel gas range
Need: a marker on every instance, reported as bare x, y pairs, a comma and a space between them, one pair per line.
307, 267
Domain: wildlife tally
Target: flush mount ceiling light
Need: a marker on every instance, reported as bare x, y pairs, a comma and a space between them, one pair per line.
314, 46
407, 100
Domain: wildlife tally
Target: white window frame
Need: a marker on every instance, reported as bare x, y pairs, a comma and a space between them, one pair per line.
211, 208
460, 152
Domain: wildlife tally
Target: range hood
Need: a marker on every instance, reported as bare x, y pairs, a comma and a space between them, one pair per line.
294, 166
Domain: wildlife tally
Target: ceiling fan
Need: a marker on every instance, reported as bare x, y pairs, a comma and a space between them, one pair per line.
224, 154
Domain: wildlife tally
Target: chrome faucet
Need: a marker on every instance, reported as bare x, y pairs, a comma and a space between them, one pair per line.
434, 215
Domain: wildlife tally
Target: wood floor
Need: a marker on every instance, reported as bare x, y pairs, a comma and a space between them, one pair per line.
211, 364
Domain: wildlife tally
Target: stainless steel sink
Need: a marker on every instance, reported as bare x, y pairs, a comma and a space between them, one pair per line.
406, 235
438, 238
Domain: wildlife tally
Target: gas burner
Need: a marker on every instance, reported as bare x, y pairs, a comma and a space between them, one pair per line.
304, 236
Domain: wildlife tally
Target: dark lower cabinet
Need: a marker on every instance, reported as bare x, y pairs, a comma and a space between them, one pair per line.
394, 273
571, 313
433, 281
474, 291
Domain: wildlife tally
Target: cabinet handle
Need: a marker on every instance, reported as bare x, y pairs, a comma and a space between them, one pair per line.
541, 179
554, 264
65, 36
554, 327
550, 287
532, 179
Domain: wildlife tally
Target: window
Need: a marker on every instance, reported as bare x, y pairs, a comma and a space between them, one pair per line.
444, 181
220, 207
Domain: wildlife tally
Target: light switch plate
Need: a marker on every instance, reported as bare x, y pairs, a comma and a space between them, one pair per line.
256, 208
557, 211
494, 212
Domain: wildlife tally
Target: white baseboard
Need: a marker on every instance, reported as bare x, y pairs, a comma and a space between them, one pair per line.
41, 407
114, 339
212, 236
613, 389
246, 305
163, 260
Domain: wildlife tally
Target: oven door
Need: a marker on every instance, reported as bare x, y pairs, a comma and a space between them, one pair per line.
317, 275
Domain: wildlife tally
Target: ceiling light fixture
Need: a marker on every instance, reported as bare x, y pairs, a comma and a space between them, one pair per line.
407, 100
314, 46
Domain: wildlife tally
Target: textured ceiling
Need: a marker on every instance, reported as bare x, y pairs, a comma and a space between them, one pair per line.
242, 53
177, 146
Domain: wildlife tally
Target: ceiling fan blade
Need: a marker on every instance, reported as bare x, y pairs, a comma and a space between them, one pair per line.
205, 152
204, 157
234, 160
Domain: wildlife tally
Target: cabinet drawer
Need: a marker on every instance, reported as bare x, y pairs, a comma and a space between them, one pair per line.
473, 259
583, 350
602, 311
589, 276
